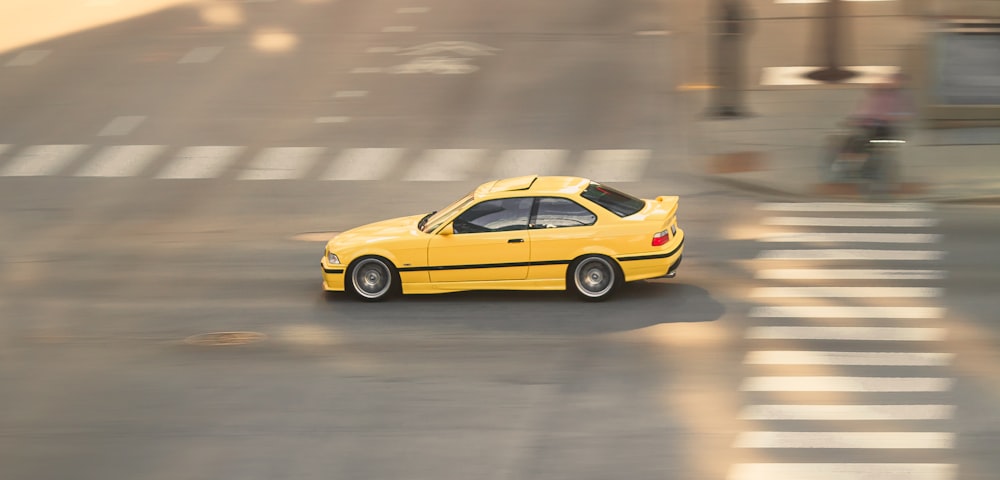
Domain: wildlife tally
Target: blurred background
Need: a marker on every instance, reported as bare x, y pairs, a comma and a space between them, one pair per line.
170, 169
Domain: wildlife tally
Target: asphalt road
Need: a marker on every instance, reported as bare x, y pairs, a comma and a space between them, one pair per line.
117, 258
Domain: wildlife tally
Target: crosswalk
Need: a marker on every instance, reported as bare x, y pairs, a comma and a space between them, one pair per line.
828, 274
318, 163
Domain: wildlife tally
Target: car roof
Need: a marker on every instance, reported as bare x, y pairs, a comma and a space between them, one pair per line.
535, 184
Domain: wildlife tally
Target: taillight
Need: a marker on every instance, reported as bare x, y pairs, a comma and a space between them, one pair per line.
661, 238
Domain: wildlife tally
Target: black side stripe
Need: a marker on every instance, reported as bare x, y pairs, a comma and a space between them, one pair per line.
439, 268
332, 271
654, 256
483, 265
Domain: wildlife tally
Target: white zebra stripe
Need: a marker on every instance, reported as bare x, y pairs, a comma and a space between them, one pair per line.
842, 471
850, 222
851, 237
363, 164
514, 163
282, 163
848, 412
865, 440
613, 165
845, 384
843, 311
845, 292
846, 274
443, 165
851, 254
120, 161
41, 160
812, 357
200, 162
844, 207
891, 334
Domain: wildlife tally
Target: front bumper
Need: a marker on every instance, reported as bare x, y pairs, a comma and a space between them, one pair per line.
333, 276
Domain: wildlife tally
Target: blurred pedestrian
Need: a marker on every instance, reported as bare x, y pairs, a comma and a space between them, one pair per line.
884, 108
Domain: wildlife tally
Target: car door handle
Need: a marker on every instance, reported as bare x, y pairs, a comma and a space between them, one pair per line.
516, 240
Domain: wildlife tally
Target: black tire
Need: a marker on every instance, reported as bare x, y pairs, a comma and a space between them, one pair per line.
593, 277
372, 279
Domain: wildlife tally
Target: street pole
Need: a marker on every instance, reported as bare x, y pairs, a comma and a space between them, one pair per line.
833, 71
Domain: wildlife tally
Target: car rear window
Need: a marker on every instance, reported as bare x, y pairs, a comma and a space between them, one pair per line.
616, 202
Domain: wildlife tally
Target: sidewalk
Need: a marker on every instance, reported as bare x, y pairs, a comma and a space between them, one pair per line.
778, 149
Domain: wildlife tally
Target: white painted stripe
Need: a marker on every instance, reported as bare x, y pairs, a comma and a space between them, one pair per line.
445, 165
332, 119
513, 163
120, 161
399, 29
845, 311
851, 254
282, 163
850, 222
410, 10
866, 440
847, 274
122, 125
613, 165
200, 162
844, 207
40, 160
363, 164
894, 334
28, 58
201, 55
811, 357
845, 292
350, 94
852, 237
842, 471
848, 412
845, 384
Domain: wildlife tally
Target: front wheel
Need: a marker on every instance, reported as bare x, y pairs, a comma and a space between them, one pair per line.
593, 277
372, 279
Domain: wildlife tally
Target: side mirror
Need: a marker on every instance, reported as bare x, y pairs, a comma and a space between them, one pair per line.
447, 230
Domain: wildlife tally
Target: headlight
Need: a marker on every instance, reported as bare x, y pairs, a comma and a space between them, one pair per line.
332, 258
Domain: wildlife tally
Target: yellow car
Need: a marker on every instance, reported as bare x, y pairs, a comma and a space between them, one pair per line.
524, 233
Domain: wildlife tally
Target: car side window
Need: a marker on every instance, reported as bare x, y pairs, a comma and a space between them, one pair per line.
499, 215
560, 212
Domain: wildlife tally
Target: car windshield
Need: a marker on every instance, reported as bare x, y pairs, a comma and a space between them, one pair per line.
619, 203
436, 219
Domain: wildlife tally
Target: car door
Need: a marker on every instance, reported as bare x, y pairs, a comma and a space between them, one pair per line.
559, 228
486, 242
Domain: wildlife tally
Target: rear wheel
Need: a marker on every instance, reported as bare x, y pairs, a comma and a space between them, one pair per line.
372, 279
593, 277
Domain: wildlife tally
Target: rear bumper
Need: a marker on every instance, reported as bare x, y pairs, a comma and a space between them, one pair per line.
672, 271
658, 265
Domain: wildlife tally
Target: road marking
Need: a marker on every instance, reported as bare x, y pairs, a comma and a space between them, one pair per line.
843, 207
332, 119
28, 58
843, 311
851, 237
844, 292
445, 165
845, 384
842, 471
363, 164
866, 440
848, 412
201, 55
811, 357
411, 10
282, 163
41, 160
513, 163
847, 274
200, 162
122, 125
796, 75
894, 334
851, 254
120, 161
613, 165
351, 94
850, 222
399, 29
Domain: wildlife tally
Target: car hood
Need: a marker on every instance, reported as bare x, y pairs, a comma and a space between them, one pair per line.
392, 229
